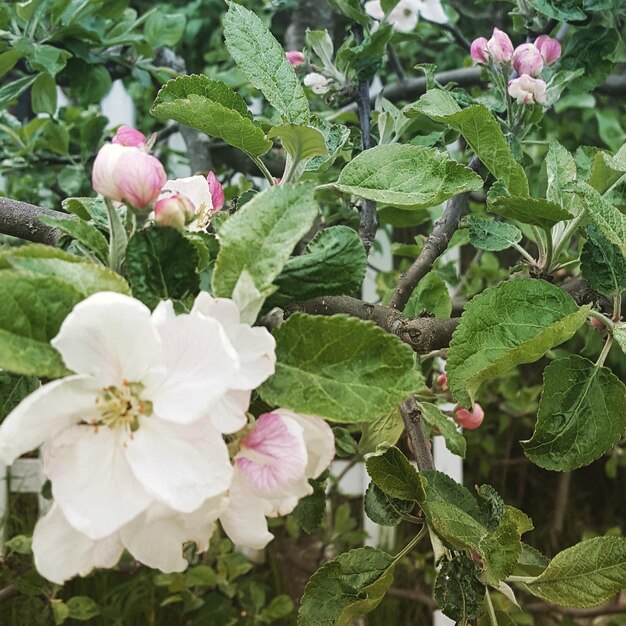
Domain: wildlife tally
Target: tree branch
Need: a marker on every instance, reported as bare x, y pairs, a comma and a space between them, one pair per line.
412, 418
434, 247
423, 334
20, 219
612, 608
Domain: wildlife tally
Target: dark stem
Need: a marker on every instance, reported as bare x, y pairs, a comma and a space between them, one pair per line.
412, 417
395, 63
368, 222
424, 335
20, 219
434, 247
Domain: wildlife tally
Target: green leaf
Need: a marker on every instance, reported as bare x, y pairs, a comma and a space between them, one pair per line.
12, 90
13, 389
457, 590
606, 170
8, 60
340, 368
20, 544
612, 223
161, 264
602, 264
352, 9
391, 472
260, 237
385, 428
88, 83
212, 108
333, 264
531, 562
335, 137
561, 170
310, 510
302, 143
82, 608
83, 275
32, 309
430, 295
482, 132
406, 176
584, 575
43, 95
383, 509
512, 323
591, 48
537, 211
262, 61
619, 334
349, 586
164, 29
455, 442
82, 231
561, 10
582, 414
487, 234
345, 445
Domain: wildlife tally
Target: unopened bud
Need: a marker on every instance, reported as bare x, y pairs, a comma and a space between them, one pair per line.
500, 47
216, 191
527, 60
175, 211
549, 48
528, 90
295, 57
129, 137
469, 419
478, 50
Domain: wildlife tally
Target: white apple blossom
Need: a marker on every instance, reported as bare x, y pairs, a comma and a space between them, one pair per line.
140, 422
272, 471
197, 189
405, 15
318, 83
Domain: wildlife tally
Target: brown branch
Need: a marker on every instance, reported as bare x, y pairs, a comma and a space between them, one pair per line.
434, 247
20, 219
8, 592
613, 608
412, 418
410, 594
422, 334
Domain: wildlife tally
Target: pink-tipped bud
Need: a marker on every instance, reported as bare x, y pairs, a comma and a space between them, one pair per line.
478, 50
216, 191
597, 324
469, 419
127, 174
127, 136
499, 47
550, 49
442, 381
295, 57
527, 60
175, 211
528, 90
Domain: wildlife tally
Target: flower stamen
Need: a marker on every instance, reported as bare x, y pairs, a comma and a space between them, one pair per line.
121, 406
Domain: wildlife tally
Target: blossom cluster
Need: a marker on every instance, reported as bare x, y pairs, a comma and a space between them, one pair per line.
125, 171
148, 442
527, 61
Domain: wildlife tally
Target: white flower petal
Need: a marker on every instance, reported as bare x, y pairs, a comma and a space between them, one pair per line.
374, 9
196, 188
244, 519
46, 412
180, 466
200, 365
432, 11
164, 312
224, 310
61, 552
257, 354
91, 480
318, 438
156, 538
110, 336
228, 414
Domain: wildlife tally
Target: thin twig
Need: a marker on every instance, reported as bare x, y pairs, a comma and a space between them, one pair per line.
434, 247
369, 221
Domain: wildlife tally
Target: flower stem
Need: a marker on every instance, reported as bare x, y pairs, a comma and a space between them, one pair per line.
263, 168
605, 351
567, 234
409, 546
525, 254
490, 610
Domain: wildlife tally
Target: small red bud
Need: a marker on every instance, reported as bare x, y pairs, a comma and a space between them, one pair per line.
469, 419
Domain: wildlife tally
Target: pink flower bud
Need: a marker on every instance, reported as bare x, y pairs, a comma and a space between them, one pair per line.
295, 57
528, 90
127, 136
175, 211
500, 47
126, 174
549, 48
469, 419
478, 50
216, 191
442, 381
527, 60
